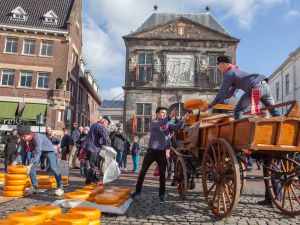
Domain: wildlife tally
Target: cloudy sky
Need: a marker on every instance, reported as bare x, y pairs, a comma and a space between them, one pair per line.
268, 29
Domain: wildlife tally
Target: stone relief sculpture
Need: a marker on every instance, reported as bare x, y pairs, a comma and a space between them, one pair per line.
180, 70
203, 64
132, 64
157, 65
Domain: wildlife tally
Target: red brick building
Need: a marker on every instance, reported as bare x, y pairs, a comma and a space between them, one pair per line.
40, 65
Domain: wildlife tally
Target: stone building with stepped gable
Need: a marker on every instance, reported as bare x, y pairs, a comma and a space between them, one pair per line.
170, 59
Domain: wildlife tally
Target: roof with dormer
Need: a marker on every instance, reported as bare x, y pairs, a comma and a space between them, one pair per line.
35, 11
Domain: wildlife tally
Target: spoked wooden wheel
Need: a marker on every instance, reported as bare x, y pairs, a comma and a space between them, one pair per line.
243, 170
181, 177
221, 178
284, 184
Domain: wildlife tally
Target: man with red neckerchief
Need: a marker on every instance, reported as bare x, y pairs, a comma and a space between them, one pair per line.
234, 79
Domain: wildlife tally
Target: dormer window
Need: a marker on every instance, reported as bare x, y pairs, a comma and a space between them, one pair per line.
50, 17
18, 14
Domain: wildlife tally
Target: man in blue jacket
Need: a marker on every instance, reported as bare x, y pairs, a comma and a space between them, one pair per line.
40, 146
160, 129
234, 79
97, 136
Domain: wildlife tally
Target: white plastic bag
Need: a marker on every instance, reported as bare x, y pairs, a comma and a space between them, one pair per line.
110, 168
64, 167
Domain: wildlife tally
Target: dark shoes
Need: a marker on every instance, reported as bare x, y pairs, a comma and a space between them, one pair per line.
161, 198
265, 202
134, 195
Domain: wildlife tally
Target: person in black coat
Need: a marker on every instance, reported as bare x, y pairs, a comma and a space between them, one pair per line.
11, 143
81, 153
65, 144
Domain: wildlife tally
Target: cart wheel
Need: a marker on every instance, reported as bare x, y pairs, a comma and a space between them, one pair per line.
181, 177
243, 170
221, 177
284, 184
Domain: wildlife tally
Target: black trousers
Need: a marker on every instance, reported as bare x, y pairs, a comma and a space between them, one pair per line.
9, 159
91, 163
158, 156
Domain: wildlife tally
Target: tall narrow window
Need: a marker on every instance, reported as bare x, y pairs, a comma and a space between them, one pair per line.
144, 69
11, 45
74, 58
29, 47
277, 91
287, 84
143, 115
8, 77
26, 79
43, 80
214, 74
47, 48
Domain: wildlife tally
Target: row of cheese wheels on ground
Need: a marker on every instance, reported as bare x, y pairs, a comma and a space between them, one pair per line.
52, 215
113, 196
16, 180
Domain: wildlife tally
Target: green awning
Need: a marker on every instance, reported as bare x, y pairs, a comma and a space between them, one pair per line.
8, 110
31, 110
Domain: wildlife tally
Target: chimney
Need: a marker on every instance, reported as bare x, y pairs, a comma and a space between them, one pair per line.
207, 9
155, 8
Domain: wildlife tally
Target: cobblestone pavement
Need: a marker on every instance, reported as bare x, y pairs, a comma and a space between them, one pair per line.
149, 211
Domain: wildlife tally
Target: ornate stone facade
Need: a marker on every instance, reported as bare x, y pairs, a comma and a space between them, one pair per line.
171, 63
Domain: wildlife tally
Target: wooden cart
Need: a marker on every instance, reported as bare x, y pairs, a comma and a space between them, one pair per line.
213, 148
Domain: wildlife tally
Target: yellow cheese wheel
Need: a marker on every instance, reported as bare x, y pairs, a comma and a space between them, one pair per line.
89, 212
46, 177
52, 179
94, 222
14, 188
106, 199
13, 176
89, 186
18, 169
122, 188
48, 186
74, 218
53, 222
2, 175
2, 179
113, 205
194, 104
91, 199
9, 222
31, 218
13, 193
15, 182
28, 185
77, 195
49, 210
64, 178
92, 193
99, 189
54, 185
44, 182
121, 194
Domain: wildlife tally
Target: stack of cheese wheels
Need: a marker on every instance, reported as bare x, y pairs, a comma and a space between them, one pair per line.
107, 199
32, 218
121, 194
54, 222
92, 214
65, 180
77, 195
74, 218
92, 193
44, 182
15, 181
127, 190
53, 180
2, 179
49, 211
9, 222
28, 184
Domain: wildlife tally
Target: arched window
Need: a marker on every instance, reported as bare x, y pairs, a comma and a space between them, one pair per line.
59, 84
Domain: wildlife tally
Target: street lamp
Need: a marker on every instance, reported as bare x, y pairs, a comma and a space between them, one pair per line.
40, 120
